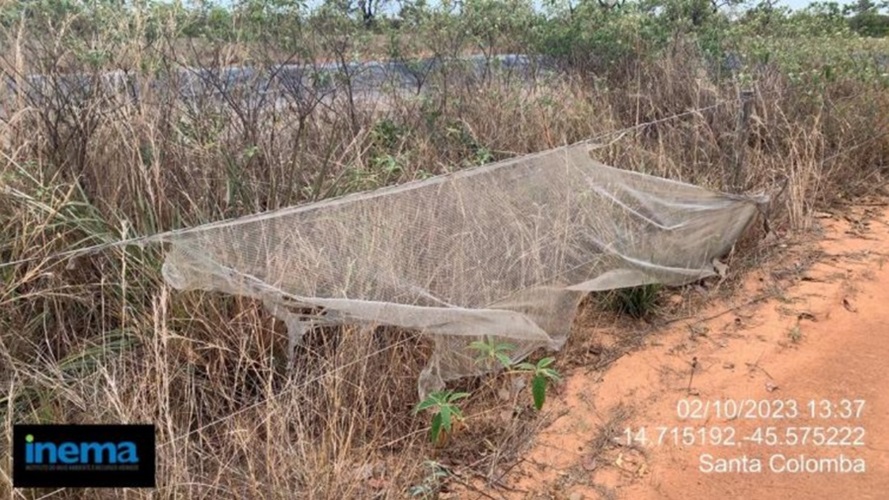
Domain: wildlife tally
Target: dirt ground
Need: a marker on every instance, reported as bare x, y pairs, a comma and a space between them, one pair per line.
796, 364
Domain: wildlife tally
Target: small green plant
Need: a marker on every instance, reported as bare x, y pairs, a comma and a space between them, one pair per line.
638, 301
386, 134
491, 351
433, 481
388, 165
541, 376
483, 156
445, 410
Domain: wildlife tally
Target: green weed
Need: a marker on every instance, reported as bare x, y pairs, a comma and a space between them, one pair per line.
445, 412
637, 302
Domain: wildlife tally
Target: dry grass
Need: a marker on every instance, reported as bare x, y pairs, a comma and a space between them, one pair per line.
103, 340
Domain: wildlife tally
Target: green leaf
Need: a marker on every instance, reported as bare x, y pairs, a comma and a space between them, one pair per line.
427, 403
505, 347
457, 395
543, 363
445, 415
503, 359
457, 412
526, 367
550, 374
538, 390
436, 427
480, 346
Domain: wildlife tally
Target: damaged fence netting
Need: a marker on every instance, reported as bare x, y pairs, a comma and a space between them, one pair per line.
503, 251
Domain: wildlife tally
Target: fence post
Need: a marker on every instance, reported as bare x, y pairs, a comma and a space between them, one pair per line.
737, 176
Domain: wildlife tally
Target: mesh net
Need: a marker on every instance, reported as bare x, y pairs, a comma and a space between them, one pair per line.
503, 251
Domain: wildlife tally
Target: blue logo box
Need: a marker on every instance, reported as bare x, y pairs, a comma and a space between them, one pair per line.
83, 456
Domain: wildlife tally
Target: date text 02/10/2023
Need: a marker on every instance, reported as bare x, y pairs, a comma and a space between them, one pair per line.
769, 409
778, 436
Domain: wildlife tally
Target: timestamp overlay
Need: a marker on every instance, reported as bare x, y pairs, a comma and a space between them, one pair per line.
763, 436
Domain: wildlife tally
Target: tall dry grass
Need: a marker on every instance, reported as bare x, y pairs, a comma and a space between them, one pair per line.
102, 339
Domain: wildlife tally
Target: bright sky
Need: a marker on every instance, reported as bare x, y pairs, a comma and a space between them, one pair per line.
797, 4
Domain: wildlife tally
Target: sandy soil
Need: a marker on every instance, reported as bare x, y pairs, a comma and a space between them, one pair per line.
751, 382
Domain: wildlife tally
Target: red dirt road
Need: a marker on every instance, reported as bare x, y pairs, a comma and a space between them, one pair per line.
796, 380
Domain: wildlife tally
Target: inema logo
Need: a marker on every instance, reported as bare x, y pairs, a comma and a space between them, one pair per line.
83, 455
77, 453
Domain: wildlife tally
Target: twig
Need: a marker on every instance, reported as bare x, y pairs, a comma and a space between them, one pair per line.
691, 375
755, 366
472, 487
496, 482
499, 479
866, 204
730, 309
